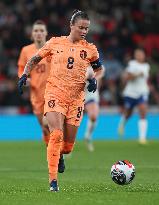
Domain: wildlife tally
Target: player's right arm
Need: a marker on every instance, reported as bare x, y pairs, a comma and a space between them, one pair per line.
31, 64
42, 53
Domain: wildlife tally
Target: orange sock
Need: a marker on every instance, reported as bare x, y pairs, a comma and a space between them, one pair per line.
46, 139
53, 152
67, 147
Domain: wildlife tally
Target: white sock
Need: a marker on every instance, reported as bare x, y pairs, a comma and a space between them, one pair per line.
89, 130
122, 121
142, 124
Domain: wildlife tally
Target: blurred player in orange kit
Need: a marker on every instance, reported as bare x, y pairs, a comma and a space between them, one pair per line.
64, 94
39, 75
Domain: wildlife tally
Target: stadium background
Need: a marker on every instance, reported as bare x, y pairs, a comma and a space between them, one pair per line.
117, 28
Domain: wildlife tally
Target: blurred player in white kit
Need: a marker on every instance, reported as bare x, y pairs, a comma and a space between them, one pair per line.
92, 110
136, 93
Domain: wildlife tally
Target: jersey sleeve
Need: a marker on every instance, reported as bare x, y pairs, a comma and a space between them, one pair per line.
22, 62
94, 54
46, 49
94, 60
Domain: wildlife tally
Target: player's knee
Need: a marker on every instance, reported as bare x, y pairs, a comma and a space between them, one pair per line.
56, 137
142, 115
67, 147
93, 118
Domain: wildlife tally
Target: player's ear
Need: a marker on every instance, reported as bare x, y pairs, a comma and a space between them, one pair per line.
71, 25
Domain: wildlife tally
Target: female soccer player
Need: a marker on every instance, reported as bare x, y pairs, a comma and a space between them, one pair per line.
39, 75
64, 94
136, 93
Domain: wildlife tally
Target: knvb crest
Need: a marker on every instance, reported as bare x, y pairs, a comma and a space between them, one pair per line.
83, 54
51, 103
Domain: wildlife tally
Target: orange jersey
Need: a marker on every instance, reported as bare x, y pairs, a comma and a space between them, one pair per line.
38, 75
68, 67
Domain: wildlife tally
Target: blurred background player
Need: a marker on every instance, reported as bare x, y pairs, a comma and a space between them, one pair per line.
136, 93
64, 94
39, 75
92, 109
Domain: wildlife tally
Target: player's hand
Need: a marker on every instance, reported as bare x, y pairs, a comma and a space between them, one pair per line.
92, 87
21, 83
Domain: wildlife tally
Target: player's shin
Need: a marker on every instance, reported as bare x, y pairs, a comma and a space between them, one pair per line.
121, 126
90, 127
53, 153
91, 124
142, 124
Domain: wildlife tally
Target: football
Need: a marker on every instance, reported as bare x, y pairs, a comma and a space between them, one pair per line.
123, 172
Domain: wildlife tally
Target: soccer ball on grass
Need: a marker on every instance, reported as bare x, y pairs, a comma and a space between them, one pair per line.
122, 172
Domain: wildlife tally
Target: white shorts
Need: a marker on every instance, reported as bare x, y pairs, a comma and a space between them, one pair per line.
92, 97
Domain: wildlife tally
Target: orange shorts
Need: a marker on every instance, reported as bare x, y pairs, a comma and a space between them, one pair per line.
72, 111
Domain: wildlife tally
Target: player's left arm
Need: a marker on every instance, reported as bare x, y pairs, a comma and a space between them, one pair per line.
98, 69
96, 64
42, 53
99, 73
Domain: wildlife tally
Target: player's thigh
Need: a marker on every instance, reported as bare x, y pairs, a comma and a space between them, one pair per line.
70, 132
142, 107
55, 111
55, 120
92, 110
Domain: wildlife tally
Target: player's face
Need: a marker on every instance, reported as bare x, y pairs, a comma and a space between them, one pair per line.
140, 56
39, 33
80, 29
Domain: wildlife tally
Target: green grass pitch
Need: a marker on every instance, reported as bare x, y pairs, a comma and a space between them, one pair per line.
24, 178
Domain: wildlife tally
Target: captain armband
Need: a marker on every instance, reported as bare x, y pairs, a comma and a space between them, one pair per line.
96, 64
